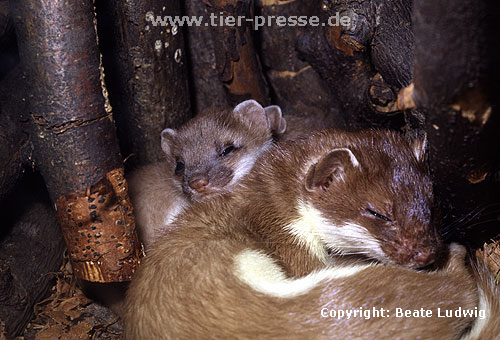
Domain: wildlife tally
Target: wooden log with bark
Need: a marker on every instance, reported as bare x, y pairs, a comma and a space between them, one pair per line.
73, 136
295, 86
237, 60
145, 61
206, 88
31, 244
364, 62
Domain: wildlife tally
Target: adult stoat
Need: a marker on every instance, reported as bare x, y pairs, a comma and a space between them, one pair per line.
218, 272
366, 193
217, 287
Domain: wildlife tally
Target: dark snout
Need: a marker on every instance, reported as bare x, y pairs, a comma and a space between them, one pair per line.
414, 252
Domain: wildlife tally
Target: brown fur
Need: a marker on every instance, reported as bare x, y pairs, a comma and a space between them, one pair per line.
187, 287
302, 127
199, 145
155, 196
390, 180
491, 290
158, 192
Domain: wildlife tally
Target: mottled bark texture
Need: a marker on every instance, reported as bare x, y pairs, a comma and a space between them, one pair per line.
366, 62
237, 60
146, 64
72, 133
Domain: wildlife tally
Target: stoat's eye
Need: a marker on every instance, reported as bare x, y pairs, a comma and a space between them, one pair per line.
227, 150
179, 167
378, 215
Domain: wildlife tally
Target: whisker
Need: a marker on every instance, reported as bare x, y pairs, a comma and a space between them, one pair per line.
474, 215
482, 222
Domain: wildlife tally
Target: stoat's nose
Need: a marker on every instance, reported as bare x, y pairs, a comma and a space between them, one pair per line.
423, 259
412, 254
198, 183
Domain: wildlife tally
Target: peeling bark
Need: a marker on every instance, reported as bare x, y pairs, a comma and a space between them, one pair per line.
238, 64
73, 135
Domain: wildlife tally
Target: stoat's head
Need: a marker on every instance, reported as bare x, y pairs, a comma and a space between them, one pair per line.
213, 151
373, 197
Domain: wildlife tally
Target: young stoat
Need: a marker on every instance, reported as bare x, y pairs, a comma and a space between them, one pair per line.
255, 264
206, 157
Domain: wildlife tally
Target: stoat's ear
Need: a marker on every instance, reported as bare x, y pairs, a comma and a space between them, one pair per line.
251, 112
419, 147
275, 119
330, 169
167, 139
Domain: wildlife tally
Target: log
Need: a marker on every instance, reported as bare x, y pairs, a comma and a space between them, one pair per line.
206, 88
238, 64
364, 63
147, 72
289, 77
73, 135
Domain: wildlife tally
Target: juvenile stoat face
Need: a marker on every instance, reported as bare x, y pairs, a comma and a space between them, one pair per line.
374, 199
213, 151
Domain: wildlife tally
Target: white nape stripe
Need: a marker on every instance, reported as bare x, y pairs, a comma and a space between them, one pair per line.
176, 208
479, 324
246, 163
353, 238
243, 167
307, 230
318, 234
262, 274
